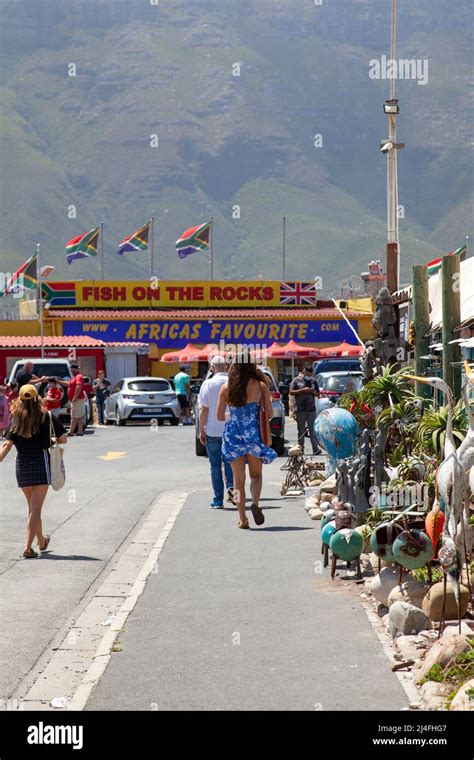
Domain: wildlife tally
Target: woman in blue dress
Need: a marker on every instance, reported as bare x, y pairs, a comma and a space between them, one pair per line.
245, 389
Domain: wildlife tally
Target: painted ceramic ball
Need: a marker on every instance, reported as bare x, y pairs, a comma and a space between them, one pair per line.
327, 517
382, 538
327, 531
346, 544
336, 430
325, 505
412, 549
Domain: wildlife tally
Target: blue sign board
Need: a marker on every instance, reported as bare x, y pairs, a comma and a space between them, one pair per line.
176, 333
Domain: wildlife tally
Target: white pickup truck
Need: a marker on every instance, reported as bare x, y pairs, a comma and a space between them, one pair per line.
59, 368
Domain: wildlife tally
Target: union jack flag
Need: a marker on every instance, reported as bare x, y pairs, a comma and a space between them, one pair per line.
298, 293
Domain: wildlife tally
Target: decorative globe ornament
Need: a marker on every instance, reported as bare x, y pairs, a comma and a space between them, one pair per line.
347, 544
325, 505
336, 430
412, 549
327, 532
327, 517
382, 538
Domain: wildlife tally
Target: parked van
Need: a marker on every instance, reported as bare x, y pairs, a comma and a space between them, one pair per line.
60, 368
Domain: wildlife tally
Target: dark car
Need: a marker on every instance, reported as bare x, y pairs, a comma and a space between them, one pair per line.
333, 385
336, 365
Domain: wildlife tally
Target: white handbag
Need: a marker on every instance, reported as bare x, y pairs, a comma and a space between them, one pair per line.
56, 464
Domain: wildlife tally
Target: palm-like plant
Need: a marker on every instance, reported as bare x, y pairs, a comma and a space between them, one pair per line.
431, 432
392, 386
401, 419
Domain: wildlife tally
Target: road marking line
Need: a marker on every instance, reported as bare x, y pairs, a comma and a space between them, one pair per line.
112, 455
96, 660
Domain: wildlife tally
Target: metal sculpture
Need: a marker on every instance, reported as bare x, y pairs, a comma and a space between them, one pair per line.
451, 482
380, 475
294, 468
434, 523
466, 449
450, 477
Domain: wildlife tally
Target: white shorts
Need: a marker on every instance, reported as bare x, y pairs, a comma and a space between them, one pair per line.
78, 409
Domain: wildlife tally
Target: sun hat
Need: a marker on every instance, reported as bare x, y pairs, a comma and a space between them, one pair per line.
28, 392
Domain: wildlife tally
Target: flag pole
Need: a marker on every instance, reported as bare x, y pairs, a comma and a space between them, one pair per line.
284, 248
40, 298
211, 246
150, 246
102, 250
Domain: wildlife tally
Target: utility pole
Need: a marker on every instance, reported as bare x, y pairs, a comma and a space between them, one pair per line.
101, 235
284, 250
40, 297
421, 321
391, 108
150, 246
211, 246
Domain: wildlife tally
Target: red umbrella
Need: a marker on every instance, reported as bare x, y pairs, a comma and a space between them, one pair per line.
343, 349
187, 354
293, 350
206, 352
265, 353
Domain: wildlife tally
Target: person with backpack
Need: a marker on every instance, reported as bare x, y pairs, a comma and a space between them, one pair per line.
30, 433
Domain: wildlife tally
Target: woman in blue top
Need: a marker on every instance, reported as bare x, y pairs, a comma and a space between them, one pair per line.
245, 389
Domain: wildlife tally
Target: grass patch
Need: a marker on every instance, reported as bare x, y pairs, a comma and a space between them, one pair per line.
457, 672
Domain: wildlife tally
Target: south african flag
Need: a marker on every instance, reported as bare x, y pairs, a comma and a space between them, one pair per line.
25, 278
83, 245
138, 241
194, 239
435, 265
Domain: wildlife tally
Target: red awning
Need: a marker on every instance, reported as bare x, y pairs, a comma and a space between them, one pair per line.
343, 349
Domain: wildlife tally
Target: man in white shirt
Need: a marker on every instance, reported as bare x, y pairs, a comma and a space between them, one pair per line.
211, 430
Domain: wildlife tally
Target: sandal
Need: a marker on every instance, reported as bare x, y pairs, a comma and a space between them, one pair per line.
258, 515
43, 548
244, 524
30, 554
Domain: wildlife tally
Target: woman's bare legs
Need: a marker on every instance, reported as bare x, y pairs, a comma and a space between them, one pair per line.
256, 480
35, 496
238, 470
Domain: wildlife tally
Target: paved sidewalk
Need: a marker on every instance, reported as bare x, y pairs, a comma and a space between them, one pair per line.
238, 620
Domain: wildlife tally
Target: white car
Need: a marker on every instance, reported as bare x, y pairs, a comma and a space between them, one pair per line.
142, 398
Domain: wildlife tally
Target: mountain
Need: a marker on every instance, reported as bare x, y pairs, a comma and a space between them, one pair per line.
235, 91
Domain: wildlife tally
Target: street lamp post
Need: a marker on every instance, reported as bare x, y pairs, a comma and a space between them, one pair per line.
391, 108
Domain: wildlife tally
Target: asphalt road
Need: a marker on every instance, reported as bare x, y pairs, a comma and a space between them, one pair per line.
238, 620
89, 520
232, 619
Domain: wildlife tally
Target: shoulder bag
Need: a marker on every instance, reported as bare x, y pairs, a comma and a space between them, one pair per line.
56, 464
265, 432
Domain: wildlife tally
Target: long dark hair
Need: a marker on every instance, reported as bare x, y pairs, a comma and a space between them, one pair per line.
27, 416
239, 375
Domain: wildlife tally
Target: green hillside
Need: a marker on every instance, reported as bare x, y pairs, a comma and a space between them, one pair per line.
238, 148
